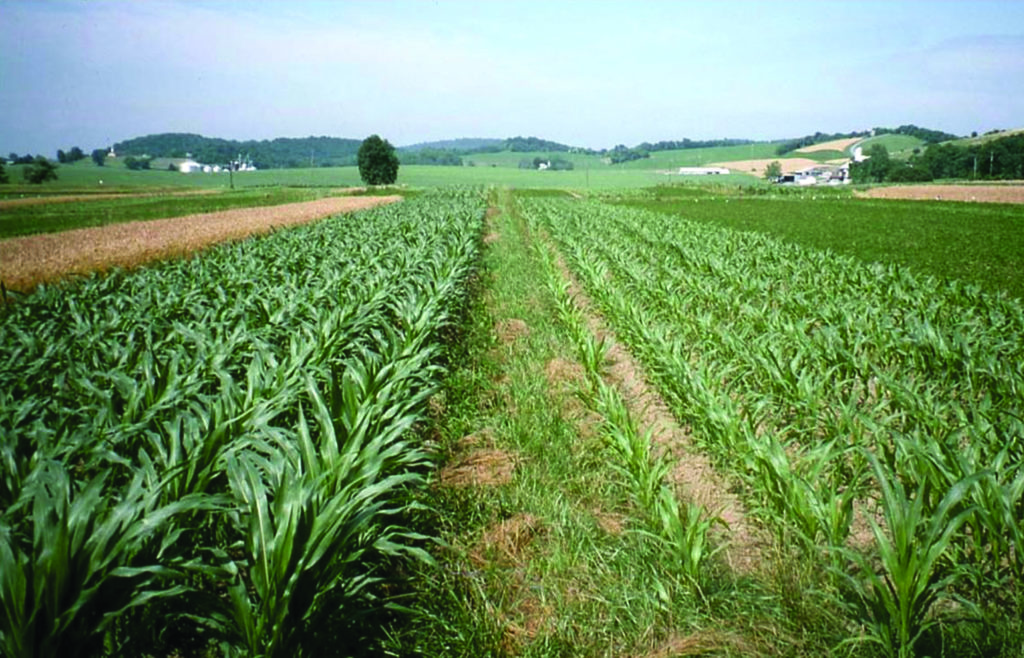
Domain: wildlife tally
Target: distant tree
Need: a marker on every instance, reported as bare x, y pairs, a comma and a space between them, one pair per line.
62, 157
99, 157
3, 174
136, 164
773, 170
75, 154
40, 171
378, 164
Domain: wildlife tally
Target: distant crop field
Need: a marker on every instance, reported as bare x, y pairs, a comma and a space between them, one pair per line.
977, 243
30, 260
698, 157
40, 215
512, 159
840, 145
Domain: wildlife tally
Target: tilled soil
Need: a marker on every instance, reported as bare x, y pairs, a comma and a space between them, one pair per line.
977, 193
28, 261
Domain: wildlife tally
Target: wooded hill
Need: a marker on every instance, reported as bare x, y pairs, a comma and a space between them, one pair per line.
265, 154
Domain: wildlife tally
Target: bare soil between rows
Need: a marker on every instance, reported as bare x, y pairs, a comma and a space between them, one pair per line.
692, 473
1010, 193
28, 261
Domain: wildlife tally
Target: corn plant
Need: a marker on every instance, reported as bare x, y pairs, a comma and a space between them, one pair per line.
158, 447
791, 366
894, 601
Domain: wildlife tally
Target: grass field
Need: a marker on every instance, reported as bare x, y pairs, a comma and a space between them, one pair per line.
978, 243
901, 146
79, 179
699, 157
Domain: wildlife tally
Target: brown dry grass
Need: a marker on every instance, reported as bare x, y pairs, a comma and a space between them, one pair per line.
1012, 193
509, 331
28, 261
757, 167
484, 467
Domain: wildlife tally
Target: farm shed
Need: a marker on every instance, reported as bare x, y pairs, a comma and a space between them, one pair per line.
702, 171
188, 166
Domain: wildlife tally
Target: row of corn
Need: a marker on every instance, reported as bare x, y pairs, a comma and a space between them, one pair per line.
219, 453
875, 417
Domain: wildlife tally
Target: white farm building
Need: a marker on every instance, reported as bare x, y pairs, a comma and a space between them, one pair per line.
702, 171
188, 166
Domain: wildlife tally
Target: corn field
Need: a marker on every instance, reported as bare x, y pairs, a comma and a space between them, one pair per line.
875, 419
218, 454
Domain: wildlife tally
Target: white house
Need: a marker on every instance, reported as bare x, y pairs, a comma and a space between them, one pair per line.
188, 166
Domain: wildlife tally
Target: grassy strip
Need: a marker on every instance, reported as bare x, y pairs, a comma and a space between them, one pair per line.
53, 217
557, 557
977, 243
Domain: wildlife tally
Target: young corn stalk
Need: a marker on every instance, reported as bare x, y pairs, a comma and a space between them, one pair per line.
681, 532
893, 602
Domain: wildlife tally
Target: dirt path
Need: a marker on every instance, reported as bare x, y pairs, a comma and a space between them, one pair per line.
1010, 193
692, 474
28, 261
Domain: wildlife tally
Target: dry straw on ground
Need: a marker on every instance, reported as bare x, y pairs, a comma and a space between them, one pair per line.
977, 193
757, 167
28, 261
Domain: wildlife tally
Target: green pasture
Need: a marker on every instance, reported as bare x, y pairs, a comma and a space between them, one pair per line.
513, 158
981, 139
700, 157
84, 179
61, 216
977, 242
898, 145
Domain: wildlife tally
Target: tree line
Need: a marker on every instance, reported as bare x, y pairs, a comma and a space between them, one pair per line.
926, 135
277, 153
999, 159
686, 143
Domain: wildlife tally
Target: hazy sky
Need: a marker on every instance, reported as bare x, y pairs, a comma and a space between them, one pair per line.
90, 73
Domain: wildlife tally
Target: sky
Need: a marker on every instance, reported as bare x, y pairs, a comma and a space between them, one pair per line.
90, 73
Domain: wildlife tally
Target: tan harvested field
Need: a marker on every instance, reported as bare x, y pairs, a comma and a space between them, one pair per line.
979, 193
834, 145
28, 261
757, 167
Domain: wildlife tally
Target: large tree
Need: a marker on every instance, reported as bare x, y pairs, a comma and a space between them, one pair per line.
99, 156
378, 163
40, 171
